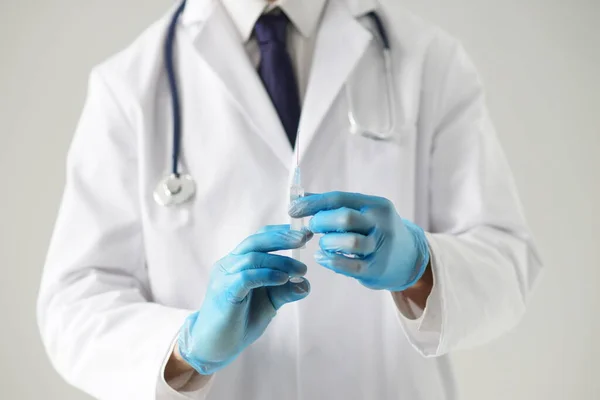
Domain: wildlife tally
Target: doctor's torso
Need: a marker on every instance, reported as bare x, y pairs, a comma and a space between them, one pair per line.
343, 341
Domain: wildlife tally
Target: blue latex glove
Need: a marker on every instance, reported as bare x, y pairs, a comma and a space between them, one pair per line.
365, 238
246, 289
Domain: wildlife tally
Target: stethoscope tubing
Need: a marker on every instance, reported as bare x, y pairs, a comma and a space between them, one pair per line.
174, 88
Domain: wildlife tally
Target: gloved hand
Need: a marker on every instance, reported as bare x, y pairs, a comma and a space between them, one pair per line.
246, 289
365, 238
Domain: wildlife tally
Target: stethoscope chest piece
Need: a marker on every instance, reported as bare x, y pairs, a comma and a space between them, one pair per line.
174, 190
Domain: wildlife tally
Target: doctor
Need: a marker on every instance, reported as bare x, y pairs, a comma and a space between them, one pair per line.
420, 247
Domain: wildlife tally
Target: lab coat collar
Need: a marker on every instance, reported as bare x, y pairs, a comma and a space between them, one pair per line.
358, 8
197, 11
217, 41
304, 14
340, 43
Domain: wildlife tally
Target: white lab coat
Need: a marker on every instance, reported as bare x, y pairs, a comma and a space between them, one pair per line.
122, 273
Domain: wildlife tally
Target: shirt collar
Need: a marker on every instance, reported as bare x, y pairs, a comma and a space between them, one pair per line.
304, 14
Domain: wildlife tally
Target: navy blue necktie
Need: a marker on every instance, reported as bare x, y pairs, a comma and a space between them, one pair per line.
275, 70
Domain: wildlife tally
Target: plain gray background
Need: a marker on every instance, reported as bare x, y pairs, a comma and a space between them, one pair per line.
540, 60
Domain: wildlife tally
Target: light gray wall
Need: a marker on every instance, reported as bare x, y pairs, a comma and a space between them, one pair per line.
540, 60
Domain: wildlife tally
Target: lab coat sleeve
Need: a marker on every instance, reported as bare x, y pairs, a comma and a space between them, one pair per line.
98, 323
483, 258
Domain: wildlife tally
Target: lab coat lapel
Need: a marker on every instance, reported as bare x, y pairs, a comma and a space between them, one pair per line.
219, 44
341, 42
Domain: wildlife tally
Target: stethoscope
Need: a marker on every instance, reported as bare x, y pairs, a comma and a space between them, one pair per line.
177, 188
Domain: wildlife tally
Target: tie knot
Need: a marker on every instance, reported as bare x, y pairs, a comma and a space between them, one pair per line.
271, 28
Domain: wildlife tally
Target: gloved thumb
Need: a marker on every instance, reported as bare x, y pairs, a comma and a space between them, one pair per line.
288, 293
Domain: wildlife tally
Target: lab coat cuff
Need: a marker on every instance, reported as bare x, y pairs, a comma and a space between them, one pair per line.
424, 328
188, 385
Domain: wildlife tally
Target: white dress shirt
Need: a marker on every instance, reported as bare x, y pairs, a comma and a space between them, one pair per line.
304, 16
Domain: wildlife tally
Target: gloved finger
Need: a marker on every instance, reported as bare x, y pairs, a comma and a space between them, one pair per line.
341, 220
348, 243
249, 279
255, 260
310, 205
274, 240
288, 293
352, 267
269, 228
